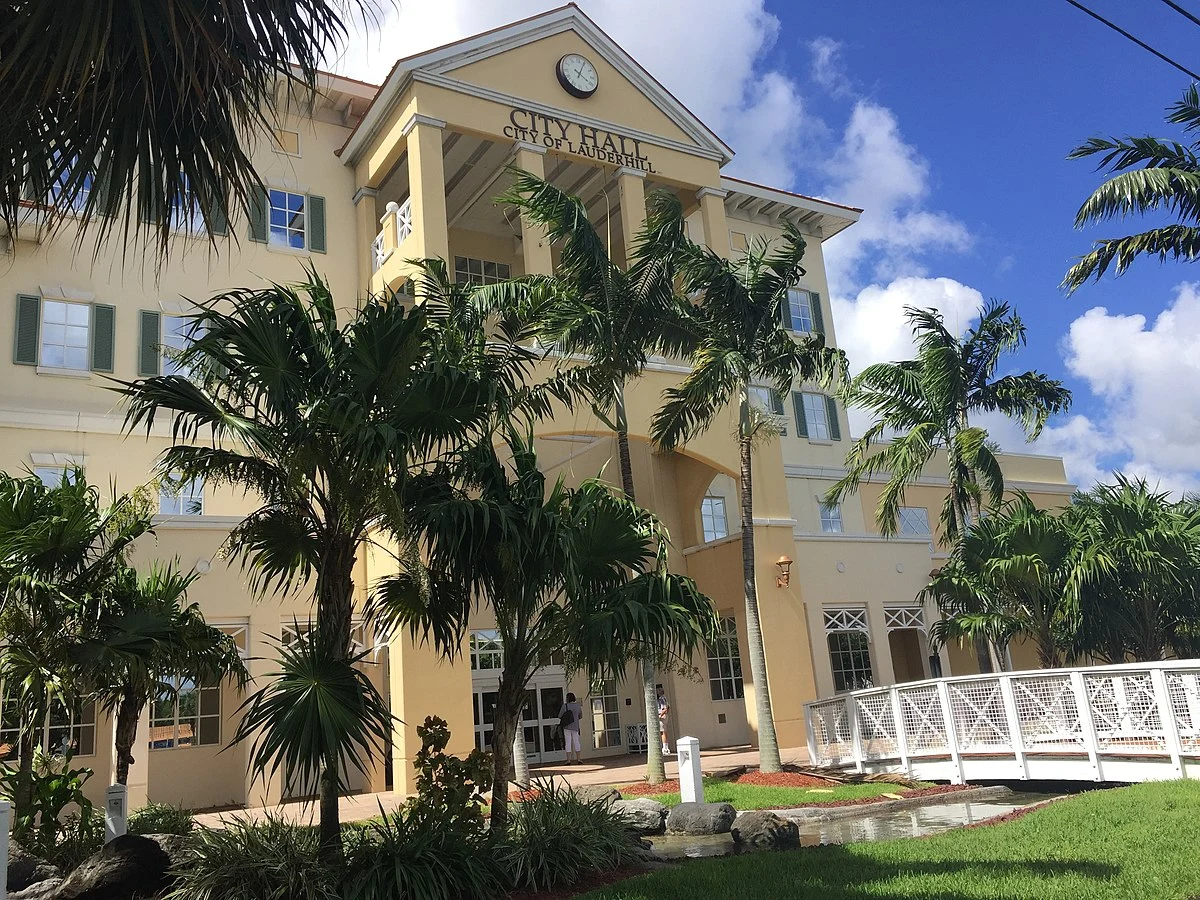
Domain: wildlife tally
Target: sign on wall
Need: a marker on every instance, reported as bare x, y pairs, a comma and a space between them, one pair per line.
564, 135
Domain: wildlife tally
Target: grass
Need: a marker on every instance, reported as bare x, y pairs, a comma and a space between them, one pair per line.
1135, 842
751, 796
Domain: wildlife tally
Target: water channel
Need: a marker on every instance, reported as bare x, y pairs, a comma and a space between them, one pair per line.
869, 826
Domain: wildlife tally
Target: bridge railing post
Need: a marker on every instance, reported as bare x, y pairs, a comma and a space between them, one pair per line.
901, 737
1166, 715
856, 744
951, 731
1087, 724
1015, 734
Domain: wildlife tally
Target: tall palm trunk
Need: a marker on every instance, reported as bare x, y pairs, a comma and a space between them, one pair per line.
768, 743
23, 790
520, 753
984, 651
128, 712
335, 598
508, 717
656, 770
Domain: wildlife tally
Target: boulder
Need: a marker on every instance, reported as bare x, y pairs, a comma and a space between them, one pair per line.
129, 867
701, 818
589, 793
43, 890
642, 815
174, 845
25, 869
762, 829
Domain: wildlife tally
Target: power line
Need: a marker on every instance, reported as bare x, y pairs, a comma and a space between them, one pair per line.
1121, 31
1183, 12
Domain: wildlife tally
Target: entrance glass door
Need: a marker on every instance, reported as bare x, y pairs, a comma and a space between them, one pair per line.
539, 718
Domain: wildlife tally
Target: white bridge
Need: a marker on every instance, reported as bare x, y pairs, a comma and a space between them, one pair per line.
1137, 722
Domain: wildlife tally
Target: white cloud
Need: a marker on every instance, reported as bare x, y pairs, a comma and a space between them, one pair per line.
715, 65
827, 68
1146, 376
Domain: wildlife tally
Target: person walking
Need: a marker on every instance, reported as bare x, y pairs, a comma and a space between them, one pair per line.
568, 720
663, 709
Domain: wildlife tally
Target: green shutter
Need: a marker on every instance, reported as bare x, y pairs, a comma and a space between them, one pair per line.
776, 402
316, 223
25, 347
801, 419
257, 213
785, 311
219, 222
835, 428
104, 333
149, 339
817, 314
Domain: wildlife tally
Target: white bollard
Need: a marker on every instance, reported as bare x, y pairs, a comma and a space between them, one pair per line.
5, 823
115, 811
691, 781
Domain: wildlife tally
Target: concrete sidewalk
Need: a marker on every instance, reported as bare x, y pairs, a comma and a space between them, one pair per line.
614, 770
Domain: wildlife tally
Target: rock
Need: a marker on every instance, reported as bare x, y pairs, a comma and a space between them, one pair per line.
25, 869
43, 890
174, 845
129, 867
589, 793
701, 818
643, 815
763, 830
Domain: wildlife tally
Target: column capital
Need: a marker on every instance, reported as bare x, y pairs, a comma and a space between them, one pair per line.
711, 192
632, 172
417, 119
529, 148
364, 192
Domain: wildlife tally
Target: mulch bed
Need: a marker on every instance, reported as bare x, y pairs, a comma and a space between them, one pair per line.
589, 883
783, 779
642, 789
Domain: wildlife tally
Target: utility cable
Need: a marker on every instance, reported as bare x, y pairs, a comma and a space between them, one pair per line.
1121, 31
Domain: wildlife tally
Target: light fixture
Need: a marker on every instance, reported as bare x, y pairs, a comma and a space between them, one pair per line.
785, 571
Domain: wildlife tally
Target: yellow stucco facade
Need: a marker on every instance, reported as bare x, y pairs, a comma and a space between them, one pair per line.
410, 169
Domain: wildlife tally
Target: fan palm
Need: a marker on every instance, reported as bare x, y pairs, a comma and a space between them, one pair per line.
125, 111
1147, 174
740, 342
928, 403
146, 643
613, 318
579, 572
325, 424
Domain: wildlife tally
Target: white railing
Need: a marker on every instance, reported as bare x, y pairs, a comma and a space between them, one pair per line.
398, 219
1136, 722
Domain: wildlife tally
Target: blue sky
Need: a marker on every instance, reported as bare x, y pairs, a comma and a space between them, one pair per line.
950, 124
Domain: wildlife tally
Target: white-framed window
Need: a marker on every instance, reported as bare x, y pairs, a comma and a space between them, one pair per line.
768, 400
606, 714
725, 663
487, 651
63, 730
816, 416
64, 334
185, 715
54, 476
850, 657
59, 187
800, 310
713, 519
181, 498
185, 210
287, 141
914, 521
285, 219
177, 334
468, 270
831, 517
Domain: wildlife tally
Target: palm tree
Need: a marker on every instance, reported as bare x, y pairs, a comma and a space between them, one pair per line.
161, 102
325, 425
146, 644
1015, 573
612, 318
61, 551
741, 342
1148, 174
579, 572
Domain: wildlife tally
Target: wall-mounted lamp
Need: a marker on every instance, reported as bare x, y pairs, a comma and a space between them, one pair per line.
784, 578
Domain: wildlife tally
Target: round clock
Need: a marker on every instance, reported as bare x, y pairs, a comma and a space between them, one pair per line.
577, 75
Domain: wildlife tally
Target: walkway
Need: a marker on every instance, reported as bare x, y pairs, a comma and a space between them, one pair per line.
614, 770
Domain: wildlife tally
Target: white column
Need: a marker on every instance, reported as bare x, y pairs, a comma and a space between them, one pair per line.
691, 779
116, 811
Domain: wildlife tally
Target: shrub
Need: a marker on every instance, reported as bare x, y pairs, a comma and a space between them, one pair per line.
160, 818
449, 788
268, 860
79, 836
415, 854
557, 838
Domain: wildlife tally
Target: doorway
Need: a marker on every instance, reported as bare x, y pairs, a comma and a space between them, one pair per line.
544, 700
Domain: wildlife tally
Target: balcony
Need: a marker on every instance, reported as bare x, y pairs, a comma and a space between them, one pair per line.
397, 225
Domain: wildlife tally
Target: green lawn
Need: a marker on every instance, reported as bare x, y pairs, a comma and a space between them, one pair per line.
1136, 842
749, 796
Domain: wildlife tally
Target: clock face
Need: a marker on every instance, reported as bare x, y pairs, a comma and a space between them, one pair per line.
577, 75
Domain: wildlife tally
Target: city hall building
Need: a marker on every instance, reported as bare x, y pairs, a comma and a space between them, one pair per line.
362, 179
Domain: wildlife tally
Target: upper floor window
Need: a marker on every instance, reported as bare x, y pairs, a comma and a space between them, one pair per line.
287, 141
64, 335
54, 476
65, 330
486, 650
713, 519
831, 518
914, 521
181, 498
161, 340
799, 313
185, 714
286, 216
768, 400
480, 271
